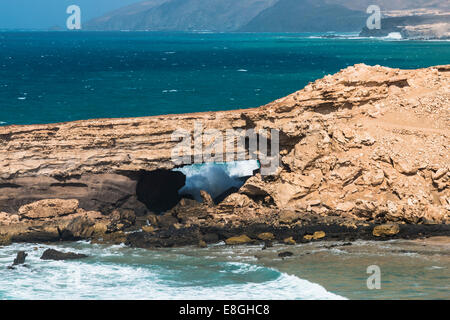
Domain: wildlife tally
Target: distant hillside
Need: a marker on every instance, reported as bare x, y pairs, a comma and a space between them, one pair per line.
306, 16
126, 18
182, 15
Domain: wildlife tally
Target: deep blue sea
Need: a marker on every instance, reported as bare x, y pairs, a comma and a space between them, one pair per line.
63, 76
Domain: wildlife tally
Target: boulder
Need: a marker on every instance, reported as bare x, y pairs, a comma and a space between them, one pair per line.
405, 167
316, 236
51, 254
206, 198
20, 258
386, 230
7, 219
288, 216
166, 220
266, 236
285, 254
48, 208
289, 241
243, 239
149, 229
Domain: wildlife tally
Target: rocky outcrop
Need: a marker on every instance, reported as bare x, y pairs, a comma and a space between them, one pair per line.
20, 258
366, 146
52, 254
386, 230
243, 239
49, 208
52, 220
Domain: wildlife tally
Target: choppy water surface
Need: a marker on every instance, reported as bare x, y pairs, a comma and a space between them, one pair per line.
409, 270
62, 76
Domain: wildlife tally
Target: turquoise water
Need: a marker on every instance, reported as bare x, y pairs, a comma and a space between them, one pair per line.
409, 270
53, 76
118, 272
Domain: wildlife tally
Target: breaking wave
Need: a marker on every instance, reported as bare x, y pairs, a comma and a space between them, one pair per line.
216, 178
117, 272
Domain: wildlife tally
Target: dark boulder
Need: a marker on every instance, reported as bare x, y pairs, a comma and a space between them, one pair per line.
285, 254
211, 238
165, 238
267, 244
51, 254
20, 259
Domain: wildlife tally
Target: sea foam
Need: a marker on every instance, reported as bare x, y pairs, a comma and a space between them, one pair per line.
125, 273
216, 178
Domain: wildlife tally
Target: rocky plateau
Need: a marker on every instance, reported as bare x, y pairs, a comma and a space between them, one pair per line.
363, 154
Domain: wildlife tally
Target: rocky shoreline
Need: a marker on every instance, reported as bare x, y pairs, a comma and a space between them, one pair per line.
364, 154
420, 25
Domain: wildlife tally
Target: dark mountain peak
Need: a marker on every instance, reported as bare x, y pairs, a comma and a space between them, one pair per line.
306, 16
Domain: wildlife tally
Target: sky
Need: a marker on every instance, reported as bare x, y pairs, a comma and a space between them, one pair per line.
42, 14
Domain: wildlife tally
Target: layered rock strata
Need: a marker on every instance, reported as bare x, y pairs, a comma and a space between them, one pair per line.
363, 147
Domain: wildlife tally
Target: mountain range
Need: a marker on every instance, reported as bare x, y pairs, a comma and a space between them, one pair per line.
250, 15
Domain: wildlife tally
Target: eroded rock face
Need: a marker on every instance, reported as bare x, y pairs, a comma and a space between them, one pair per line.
368, 145
386, 230
56, 219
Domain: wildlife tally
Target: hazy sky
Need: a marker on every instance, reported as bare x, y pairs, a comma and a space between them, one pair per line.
46, 13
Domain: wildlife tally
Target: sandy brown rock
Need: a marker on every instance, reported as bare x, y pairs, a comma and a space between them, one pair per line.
266, 236
316, 236
8, 219
366, 145
289, 241
243, 239
49, 208
386, 230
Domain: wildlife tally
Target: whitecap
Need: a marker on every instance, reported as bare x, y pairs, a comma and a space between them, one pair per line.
435, 268
394, 36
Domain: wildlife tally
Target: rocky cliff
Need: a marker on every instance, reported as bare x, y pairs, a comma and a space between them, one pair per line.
413, 26
364, 147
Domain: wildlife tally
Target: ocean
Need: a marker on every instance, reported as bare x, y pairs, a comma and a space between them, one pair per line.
322, 270
48, 77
